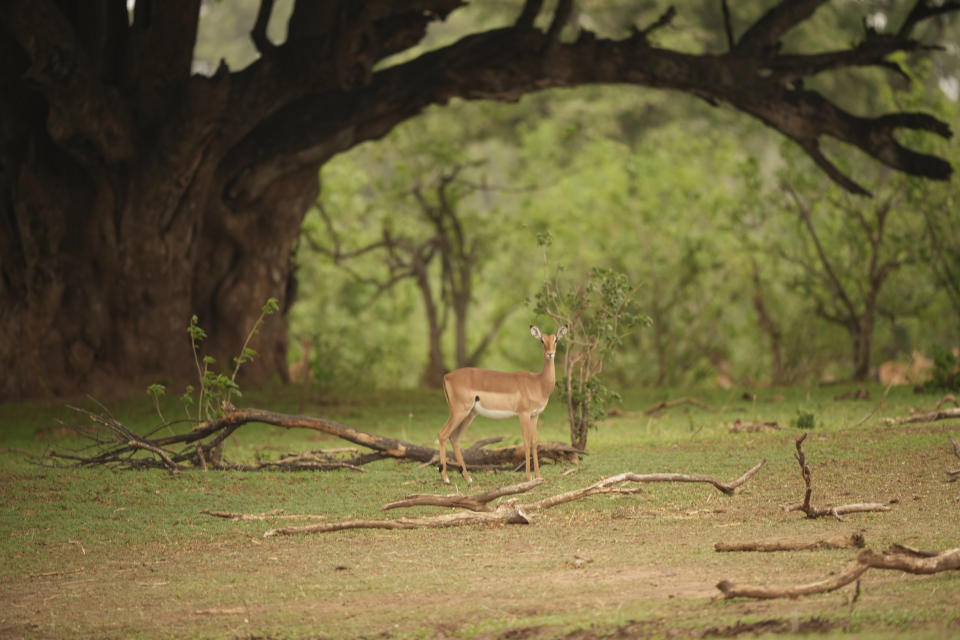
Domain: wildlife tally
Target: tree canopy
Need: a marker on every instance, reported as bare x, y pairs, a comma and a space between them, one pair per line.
135, 192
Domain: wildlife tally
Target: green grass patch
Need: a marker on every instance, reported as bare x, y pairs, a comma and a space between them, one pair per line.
95, 552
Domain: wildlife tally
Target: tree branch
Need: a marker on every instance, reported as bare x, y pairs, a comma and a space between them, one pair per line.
504, 64
259, 32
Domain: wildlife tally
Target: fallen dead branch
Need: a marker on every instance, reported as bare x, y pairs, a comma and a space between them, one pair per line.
669, 404
814, 512
201, 447
276, 514
852, 541
509, 512
739, 426
475, 502
945, 399
925, 416
894, 559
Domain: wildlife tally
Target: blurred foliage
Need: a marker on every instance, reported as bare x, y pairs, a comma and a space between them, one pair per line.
688, 199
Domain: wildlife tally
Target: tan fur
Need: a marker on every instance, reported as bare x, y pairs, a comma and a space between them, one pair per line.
522, 394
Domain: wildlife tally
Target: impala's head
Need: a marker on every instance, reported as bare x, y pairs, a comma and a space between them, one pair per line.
549, 341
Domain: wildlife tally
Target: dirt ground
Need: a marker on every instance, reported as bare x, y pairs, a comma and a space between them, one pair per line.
603, 567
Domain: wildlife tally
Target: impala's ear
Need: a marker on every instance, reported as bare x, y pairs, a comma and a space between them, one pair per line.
562, 331
535, 332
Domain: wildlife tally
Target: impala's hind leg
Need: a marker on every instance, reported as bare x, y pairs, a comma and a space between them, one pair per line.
453, 427
455, 441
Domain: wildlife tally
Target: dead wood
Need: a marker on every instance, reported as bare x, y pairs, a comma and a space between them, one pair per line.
815, 512
669, 404
509, 512
475, 502
948, 560
925, 416
953, 476
739, 426
117, 445
852, 541
945, 399
276, 514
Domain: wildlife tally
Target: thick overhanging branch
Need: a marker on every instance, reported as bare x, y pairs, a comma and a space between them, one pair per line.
504, 64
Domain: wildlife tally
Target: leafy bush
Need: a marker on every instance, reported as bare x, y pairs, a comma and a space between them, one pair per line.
599, 312
946, 371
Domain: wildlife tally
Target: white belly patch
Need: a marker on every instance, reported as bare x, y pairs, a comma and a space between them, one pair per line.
500, 414
496, 414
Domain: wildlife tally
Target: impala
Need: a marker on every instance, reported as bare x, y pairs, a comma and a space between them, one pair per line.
497, 394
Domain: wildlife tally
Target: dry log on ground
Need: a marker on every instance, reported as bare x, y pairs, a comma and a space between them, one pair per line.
948, 560
816, 512
925, 416
852, 541
202, 446
509, 512
669, 404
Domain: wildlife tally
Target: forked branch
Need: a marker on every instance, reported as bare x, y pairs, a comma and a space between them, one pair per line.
815, 512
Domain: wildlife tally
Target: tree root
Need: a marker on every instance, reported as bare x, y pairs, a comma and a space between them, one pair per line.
853, 541
899, 558
510, 512
815, 512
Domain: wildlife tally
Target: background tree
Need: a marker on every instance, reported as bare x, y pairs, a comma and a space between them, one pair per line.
432, 184
135, 192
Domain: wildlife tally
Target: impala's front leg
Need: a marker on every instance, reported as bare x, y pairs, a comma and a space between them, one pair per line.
533, 444
526, 427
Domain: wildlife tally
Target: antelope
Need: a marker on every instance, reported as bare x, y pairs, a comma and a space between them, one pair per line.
497, 394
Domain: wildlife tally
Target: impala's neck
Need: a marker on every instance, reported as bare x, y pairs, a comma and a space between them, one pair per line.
548, 375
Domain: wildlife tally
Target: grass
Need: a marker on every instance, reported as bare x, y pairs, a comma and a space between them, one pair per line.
92, 552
